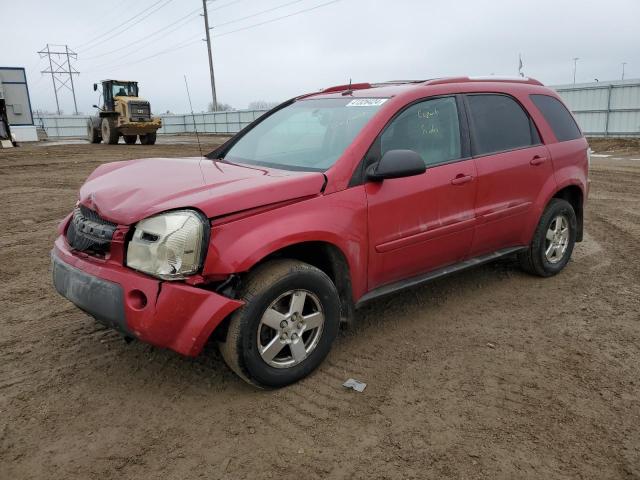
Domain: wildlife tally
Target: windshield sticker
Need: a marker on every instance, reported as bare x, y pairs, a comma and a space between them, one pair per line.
367, 102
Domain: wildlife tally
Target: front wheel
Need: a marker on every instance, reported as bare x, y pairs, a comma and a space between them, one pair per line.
553, 240
148, 139
285, 329
130, 139
110, 133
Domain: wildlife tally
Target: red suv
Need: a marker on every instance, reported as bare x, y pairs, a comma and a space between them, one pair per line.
324, 203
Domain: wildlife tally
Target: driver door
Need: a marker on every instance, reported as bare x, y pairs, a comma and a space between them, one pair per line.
423, 222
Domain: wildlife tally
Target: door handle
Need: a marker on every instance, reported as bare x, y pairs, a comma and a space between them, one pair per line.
538, 160
461, 179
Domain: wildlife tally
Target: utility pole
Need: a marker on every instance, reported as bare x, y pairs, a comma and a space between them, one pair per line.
623, 64
61, 70
208, 39
575, 67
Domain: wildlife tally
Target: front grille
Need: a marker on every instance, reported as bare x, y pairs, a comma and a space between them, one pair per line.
139, 111
88, 232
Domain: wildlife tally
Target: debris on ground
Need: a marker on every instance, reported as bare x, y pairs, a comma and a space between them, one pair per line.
356, 385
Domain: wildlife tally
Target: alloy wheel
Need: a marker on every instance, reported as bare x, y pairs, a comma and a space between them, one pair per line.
556, 239
290, 328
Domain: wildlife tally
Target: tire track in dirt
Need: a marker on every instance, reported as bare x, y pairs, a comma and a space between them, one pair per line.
551, 399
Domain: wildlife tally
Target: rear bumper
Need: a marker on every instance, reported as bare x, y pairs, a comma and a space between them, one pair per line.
165, 314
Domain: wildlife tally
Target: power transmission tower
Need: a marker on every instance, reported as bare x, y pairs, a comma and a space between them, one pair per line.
61, 70
213, 78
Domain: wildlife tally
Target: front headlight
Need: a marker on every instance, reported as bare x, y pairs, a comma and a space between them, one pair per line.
169, 245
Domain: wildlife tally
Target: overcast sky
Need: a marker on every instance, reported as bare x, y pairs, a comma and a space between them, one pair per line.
366, 40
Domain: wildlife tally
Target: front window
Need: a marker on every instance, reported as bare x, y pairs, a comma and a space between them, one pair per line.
430, 128
307, 135
124, 89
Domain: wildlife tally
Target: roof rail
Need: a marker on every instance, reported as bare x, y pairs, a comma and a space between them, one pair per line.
396, 82
490, 78
348, 86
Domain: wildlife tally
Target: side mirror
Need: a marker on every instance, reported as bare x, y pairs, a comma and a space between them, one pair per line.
397, 164
95, 106
95, 87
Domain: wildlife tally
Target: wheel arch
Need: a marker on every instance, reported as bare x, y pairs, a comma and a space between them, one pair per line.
325, 256
573, 194
322, 254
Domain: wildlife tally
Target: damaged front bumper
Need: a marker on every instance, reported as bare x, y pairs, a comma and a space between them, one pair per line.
165, 314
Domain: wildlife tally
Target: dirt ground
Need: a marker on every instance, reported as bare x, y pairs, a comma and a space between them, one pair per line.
490, 373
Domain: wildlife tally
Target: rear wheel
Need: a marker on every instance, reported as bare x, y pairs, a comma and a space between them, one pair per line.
93, 134
553, 240
130, 139
286, 327
110, 133
148, 139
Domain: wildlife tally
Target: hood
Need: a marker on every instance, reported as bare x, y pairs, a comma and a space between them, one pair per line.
126, 192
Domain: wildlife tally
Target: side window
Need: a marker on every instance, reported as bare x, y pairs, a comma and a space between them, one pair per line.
558, 117
430, 128
498, 124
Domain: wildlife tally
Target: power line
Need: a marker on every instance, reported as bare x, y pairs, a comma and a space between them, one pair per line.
117, 26
256, 14
144, 59
193, 15
225, 5
188, 15
89, 47
114, 14
190, 41
130, 25
277, 18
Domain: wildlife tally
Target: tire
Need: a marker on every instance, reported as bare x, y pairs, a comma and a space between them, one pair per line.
277, 287
148, 139
550, 249
130, 139
93, 135
110, 133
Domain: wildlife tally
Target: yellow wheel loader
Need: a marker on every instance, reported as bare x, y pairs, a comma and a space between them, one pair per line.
123, 113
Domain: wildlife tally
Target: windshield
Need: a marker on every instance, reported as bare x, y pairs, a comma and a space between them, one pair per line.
307, 135
124, 89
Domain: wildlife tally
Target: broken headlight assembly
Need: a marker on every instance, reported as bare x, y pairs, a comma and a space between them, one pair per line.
170, 245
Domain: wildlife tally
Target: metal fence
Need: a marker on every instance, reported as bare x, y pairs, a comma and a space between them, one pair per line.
57, 126
605, 109
218, 122
601, 108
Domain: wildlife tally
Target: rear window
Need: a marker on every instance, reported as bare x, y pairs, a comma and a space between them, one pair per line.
499, 124
558, 117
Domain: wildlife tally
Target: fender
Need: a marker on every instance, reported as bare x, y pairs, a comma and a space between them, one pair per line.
339, 219
547, 191
550, 189
571, 175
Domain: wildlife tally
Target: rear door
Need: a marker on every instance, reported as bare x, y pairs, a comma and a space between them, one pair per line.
420, 223
512, 166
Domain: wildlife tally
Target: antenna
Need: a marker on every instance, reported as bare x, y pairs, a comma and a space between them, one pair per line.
193, 117
349, 91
